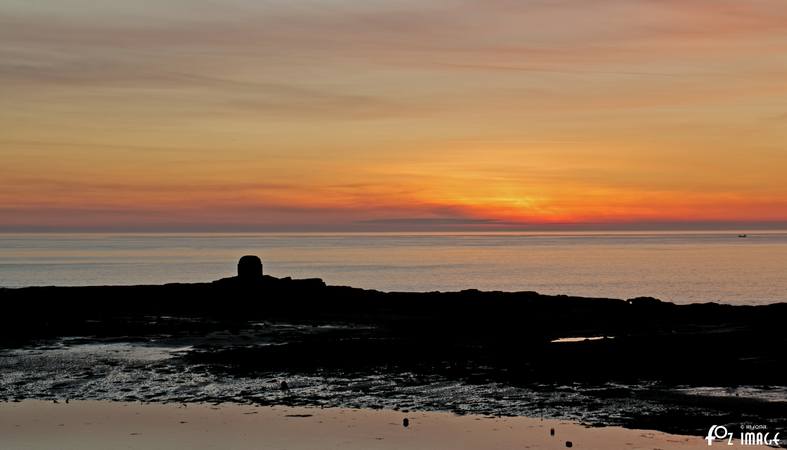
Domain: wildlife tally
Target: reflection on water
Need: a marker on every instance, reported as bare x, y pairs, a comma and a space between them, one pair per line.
679, 267
762, 393
580, 339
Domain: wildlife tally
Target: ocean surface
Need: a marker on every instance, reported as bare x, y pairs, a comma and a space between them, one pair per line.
682, 267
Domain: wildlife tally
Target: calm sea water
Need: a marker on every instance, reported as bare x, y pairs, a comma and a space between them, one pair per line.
680, 267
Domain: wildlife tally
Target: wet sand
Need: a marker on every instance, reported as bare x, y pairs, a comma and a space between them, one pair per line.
86, 425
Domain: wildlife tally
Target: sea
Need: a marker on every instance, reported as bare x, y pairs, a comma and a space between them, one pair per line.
681, 267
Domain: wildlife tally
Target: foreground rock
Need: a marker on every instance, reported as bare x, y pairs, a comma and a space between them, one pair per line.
509, 338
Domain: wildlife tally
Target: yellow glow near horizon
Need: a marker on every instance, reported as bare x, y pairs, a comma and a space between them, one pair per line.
342, 114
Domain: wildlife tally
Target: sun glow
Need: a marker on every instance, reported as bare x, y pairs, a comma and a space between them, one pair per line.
269, 116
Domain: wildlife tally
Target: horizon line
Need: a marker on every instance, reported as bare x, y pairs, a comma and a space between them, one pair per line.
306, 229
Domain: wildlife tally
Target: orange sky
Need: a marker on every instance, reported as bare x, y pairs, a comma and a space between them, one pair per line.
387, 115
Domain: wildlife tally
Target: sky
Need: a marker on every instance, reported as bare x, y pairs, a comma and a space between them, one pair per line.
388, 115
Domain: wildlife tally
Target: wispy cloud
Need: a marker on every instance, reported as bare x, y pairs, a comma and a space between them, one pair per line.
385, 114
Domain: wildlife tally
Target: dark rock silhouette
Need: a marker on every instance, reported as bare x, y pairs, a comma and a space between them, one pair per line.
251, 282
569, 444
469, 335
250, 268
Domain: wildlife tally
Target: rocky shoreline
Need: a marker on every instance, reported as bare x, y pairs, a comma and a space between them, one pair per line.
640, 363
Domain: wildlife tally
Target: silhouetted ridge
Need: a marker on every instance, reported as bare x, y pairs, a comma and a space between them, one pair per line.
648, 338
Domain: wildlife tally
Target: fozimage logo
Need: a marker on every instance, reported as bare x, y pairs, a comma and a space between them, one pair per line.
749, 435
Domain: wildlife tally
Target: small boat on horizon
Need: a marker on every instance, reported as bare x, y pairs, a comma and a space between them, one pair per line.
743, 235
